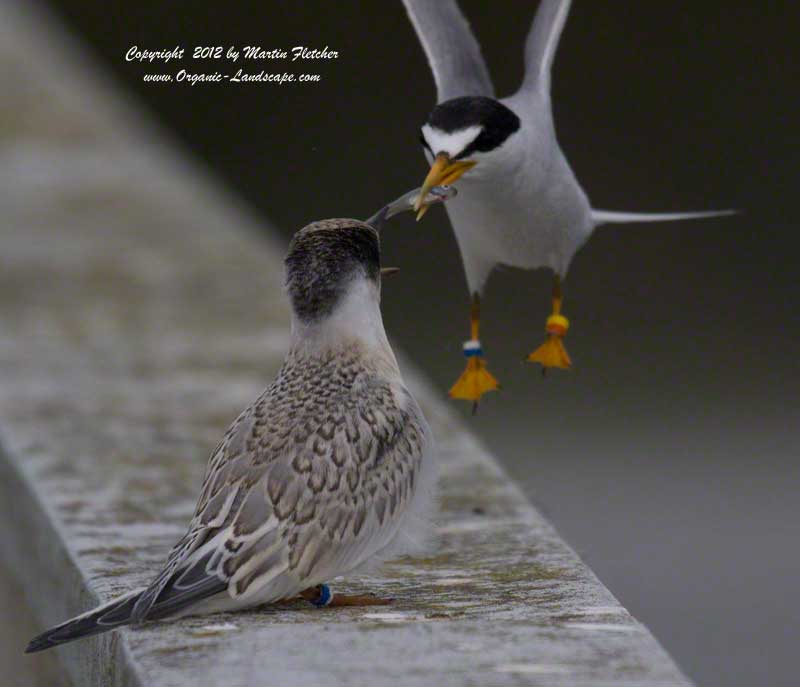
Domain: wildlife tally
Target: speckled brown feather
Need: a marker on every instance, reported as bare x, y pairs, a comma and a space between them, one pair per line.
317, 473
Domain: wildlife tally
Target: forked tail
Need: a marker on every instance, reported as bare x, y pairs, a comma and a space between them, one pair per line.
611, 217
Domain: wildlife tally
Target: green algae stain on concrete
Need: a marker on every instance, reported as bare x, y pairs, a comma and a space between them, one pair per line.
528, 572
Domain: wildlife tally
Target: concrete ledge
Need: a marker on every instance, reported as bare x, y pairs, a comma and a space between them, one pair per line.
140, 310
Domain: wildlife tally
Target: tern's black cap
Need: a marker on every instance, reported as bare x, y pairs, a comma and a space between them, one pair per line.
323, 258
496, 120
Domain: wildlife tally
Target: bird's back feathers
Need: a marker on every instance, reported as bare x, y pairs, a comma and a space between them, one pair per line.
323, 471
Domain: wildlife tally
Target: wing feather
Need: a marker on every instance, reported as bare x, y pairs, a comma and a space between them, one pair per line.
452, 51
542, 42
296, 507
294, 495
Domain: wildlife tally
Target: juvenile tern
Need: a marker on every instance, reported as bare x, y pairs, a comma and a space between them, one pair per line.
330, 468
520, 203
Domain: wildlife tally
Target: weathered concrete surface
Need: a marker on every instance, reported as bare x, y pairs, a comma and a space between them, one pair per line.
140, 309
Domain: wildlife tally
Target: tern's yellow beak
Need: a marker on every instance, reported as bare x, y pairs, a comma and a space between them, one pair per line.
443, 172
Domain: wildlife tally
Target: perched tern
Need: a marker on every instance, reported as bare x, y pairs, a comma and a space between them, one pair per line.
331, 468
520, 203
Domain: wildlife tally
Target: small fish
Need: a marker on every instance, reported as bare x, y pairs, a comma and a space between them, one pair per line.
406, 202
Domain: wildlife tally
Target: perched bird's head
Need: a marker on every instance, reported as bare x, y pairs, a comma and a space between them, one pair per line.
460, 134
327, 262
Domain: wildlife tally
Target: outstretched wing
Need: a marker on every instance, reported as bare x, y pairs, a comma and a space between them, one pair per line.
542, 42
452, 51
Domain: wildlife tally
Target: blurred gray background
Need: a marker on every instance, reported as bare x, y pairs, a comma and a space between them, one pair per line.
669, 455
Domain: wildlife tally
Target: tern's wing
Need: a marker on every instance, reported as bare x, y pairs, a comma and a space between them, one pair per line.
542, 42
452, 51
295, 495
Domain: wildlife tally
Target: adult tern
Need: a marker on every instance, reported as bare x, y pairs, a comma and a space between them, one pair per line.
520, 203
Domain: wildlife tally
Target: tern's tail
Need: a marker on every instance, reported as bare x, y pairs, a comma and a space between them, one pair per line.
100, 619
610, 217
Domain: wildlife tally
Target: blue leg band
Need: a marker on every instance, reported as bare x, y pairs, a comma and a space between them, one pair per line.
324, 598
472, 348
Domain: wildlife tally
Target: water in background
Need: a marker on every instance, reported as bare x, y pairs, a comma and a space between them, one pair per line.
669, 456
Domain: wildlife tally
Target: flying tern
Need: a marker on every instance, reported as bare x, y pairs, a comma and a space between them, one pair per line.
520, 203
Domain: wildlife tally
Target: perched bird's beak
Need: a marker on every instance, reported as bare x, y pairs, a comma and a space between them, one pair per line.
443, 172
389, 271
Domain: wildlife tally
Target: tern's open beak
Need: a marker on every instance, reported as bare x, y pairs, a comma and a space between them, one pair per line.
443, 172
389, 271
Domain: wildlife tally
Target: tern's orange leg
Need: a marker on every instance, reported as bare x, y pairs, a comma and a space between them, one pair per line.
322, 596
476, 380
552, 352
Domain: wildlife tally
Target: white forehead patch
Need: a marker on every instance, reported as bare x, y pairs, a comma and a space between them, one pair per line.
450, 142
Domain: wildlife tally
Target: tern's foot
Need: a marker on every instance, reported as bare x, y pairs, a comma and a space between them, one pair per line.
476, 380
321, 596
359, 600
552, 352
